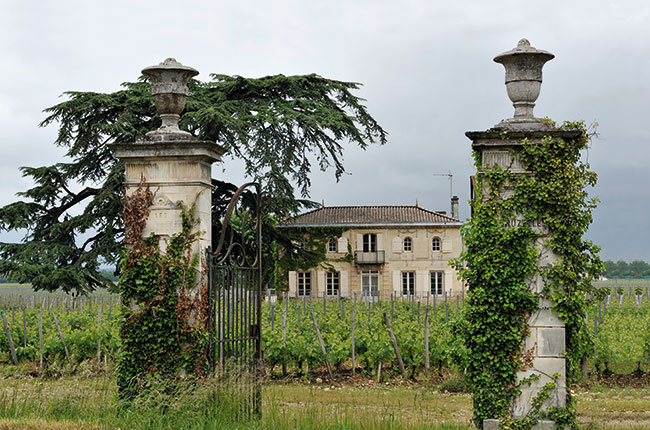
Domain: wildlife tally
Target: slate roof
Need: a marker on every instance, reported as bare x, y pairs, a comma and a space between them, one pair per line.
370, 216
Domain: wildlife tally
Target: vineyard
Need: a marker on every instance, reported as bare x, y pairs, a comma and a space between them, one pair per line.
56, 337
309, 337
621, 331
357, 336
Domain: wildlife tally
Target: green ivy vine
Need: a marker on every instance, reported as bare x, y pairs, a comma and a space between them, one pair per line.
513, 215
164, 326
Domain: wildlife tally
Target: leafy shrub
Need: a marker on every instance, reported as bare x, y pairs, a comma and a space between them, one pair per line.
455, 384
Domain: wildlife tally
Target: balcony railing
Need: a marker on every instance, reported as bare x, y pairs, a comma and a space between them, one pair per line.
375, 257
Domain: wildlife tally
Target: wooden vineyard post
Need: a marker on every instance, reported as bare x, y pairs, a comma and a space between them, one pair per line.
412, 301
284, 331
9, 338
595, 329
272, 316
434, 305
426, 338
369, 298
322, 345
600, 312
99, 335
58, 328
40, 339
24, 328
400, 362
354, 364
298, 317
446, 308
284, 324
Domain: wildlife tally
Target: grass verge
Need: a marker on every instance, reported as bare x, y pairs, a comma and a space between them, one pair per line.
75, 402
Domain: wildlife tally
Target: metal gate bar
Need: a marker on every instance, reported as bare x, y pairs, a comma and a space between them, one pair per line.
235, 292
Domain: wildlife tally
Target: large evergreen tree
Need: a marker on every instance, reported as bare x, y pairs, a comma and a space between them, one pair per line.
277, 124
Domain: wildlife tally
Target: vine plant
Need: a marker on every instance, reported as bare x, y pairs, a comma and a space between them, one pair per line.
164, 322
505, 240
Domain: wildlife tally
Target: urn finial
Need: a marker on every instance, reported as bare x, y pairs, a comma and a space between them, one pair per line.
169, 88
523, 66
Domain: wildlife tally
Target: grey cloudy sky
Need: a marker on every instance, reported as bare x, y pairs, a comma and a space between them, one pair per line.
426, 67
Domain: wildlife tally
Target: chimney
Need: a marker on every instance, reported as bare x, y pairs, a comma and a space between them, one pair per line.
454, 207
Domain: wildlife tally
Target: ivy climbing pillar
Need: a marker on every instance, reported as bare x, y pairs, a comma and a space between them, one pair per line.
510, 259
173, 163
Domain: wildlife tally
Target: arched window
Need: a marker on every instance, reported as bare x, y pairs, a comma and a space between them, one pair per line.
435, 244
408, 244
331, 245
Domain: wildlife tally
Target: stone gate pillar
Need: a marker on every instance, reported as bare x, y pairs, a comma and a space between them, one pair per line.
547, 333
175, 164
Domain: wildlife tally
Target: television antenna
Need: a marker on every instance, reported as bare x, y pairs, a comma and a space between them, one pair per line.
451, 182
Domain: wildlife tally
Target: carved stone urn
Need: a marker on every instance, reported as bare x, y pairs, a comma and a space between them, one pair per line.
523, 81
169, 89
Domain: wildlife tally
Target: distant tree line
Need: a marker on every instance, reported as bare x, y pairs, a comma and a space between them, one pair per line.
636, 269
108, 274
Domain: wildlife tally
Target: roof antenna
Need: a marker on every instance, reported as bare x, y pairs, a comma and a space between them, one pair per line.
451, 181
416, 202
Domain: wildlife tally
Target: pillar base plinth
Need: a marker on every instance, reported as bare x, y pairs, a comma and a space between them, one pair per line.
493, 424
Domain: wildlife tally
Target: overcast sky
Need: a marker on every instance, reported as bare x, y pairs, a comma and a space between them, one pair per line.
426, 68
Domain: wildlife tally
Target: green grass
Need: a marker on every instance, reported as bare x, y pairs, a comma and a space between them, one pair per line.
614, 408
75, 402
89, 403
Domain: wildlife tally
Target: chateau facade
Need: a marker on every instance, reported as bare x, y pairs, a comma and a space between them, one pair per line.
384, 250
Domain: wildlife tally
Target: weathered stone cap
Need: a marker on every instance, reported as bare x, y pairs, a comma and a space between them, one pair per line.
524, 48
512, 136
170, 64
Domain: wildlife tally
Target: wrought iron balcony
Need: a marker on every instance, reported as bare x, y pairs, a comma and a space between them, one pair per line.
375, 257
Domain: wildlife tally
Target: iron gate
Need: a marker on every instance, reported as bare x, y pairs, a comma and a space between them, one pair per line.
235, 291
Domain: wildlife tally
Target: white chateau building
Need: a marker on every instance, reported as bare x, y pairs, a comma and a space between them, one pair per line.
403, 250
